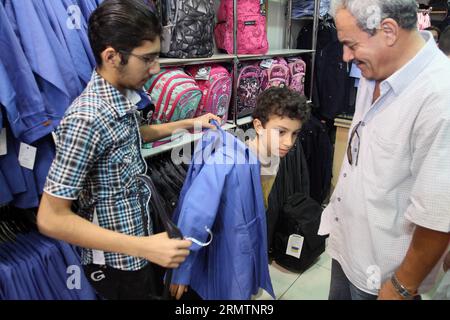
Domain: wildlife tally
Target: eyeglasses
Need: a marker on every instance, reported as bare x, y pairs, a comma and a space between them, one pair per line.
148, 59
349, 147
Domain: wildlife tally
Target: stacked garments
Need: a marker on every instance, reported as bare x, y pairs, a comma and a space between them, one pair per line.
34, 267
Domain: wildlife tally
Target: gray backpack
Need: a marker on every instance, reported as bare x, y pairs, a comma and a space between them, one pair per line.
188, 28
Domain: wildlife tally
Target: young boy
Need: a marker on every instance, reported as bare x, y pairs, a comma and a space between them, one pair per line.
277, 120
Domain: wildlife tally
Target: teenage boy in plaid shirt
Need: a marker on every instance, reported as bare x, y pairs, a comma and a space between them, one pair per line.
98, 159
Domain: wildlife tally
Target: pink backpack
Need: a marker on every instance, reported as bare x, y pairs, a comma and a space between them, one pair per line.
251, 33
297, 69
278, 75
216, 85
176, 96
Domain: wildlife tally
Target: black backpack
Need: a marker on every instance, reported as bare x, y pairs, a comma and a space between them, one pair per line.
188, 28
300, 216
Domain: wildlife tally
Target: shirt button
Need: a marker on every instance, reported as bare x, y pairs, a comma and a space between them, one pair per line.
336, 219
355, 150
339, 199
363, 124
345, 175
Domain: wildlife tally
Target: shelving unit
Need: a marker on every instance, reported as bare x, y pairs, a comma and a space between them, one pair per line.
244, 121
220, 57
273, 53
179, 142
234, 60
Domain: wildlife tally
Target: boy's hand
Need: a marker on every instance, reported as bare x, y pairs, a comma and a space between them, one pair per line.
204, 121
177, 290
166, 252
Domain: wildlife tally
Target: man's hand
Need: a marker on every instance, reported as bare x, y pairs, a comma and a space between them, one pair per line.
388, 292
166, 252
447, 262
204, 121
177, 290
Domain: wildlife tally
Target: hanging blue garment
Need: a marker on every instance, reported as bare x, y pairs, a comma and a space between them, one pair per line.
52, 265
9, 165
69, 37
19, 93
29, 198
44, 159
5, 196
83, 24
87, 7
8, 287
52, 65
65, 255
222, 193
303, 8
25, 272
35, 267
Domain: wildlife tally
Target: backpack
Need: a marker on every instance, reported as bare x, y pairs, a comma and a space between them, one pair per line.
248, 89
188, 28
251, 29
216, 85
296, 244
175, 95
277, 75
297, 69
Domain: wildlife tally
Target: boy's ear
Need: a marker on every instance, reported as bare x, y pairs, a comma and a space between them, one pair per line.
110, 57
257, 124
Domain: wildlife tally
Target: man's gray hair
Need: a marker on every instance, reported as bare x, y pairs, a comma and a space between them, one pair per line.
370, 13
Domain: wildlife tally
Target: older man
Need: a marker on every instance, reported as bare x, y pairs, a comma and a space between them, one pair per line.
389, 217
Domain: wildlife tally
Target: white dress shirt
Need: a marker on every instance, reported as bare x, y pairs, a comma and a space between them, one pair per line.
402, 178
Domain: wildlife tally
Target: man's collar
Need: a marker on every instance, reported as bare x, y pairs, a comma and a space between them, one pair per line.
411, 70
120, 103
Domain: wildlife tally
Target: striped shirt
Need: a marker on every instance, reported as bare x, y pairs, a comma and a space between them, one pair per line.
97, 160
402, 177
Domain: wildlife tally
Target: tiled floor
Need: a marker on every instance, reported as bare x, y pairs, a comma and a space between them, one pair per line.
313, 284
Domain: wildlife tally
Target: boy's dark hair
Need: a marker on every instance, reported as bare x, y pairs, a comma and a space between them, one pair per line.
444, 41
282, 102
123, 25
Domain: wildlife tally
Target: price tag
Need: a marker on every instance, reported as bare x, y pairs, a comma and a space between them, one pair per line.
295, 245
266, 64
27, 156
203, 73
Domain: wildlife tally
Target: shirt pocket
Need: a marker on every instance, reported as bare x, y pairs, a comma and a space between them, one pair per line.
120, 168
389, 162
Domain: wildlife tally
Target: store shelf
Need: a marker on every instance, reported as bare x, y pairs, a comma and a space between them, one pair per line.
168, 62
302, 18
273, 53
244, 121
180, 142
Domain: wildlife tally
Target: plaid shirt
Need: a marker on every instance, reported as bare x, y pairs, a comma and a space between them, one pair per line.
97, 160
